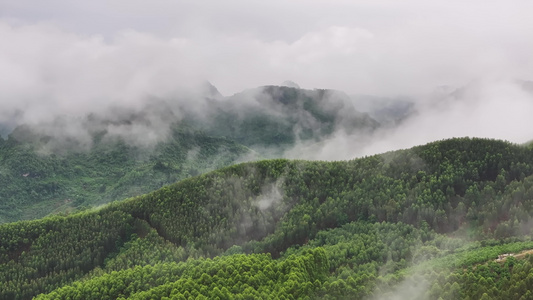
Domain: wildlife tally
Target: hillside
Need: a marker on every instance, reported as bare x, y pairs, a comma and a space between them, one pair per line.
33, 184
427, 222
68, 164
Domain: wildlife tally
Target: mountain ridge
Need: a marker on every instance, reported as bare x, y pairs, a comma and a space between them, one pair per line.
271, 206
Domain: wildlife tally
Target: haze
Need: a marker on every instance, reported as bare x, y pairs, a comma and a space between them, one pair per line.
72, 58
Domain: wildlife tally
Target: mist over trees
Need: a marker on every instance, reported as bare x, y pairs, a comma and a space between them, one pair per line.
421, 222
87, 160
149, 151
78, 162
352, 229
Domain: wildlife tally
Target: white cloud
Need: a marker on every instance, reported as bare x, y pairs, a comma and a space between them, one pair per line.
76, 57
385, 47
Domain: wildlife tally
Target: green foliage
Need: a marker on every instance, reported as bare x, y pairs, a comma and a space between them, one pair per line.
331, 230
38, 256
145, 247
33, 184
235, 277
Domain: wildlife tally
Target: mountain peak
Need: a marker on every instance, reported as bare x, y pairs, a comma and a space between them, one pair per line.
291, 84
210, 91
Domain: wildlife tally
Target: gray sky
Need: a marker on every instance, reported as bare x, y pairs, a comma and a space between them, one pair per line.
64, 57
374, 47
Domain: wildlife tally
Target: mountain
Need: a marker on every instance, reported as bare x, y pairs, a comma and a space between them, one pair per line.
289, 83
73, 162
426, 223
388, 112
280, 116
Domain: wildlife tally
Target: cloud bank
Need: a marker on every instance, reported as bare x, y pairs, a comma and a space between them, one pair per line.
71, 59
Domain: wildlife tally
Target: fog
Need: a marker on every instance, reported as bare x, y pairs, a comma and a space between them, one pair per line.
492, 108
70, 59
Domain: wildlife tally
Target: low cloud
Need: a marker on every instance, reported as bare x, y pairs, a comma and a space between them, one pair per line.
413, 287
57, 62
271, 195
489, 108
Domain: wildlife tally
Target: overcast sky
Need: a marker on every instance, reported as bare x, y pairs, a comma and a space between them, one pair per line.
64, 57
372, 47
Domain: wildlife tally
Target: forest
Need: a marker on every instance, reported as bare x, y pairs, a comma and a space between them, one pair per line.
34, 185
43, 172
446, 220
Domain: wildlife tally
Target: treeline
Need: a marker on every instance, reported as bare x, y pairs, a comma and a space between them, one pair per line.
476, 188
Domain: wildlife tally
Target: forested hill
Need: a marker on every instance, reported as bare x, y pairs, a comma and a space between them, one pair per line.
33, 184
70, 163
432, 218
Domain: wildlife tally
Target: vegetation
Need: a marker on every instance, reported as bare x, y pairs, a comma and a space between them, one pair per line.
43, 172
33, 185
236, 276
429, 222
275, 117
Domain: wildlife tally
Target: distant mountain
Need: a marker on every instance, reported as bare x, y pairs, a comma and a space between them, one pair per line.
70, 161
389, 112
291, 84
210, 91
446, 94
279, 116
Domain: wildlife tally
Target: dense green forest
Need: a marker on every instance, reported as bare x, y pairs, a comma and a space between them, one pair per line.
424, 223
42, 172
33, 185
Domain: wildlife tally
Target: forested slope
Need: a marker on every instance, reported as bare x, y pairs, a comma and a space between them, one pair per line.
50, 168
33, 184
441, 212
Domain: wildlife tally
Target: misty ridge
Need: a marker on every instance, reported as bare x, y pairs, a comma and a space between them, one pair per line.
372, 149
363, 89
283, 121
72, 141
